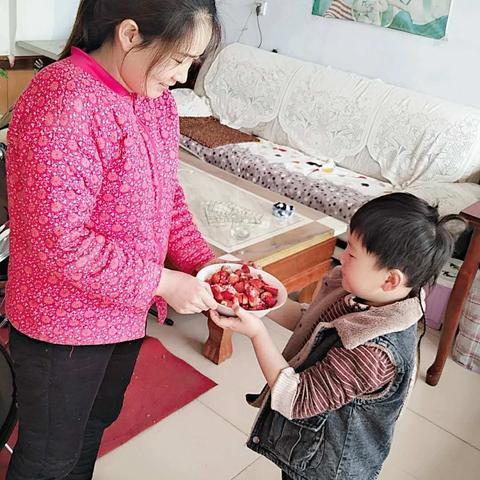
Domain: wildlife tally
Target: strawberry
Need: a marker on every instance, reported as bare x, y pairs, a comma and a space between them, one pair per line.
227, 295
272, 290
242, 299
239, 287
256, 283
259, 306
253, 303
251, 291
268, 299
223, 277
217, 293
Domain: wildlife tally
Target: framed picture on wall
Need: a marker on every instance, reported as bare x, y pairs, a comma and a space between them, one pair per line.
421, 17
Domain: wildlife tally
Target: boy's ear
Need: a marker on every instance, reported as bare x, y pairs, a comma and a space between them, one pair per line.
395, 279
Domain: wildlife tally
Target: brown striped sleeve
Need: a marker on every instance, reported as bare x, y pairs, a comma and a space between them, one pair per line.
342, 376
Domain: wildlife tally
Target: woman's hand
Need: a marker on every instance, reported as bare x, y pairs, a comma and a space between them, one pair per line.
184, 293
244, 322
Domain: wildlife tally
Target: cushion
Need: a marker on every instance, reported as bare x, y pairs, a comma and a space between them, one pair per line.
208, 131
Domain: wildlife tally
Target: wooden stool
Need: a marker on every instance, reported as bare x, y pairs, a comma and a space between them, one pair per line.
460, 291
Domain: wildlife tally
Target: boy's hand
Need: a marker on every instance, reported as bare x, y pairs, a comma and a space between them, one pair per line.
269, 357
244, 322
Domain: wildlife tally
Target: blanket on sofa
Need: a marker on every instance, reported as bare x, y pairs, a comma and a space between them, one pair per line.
208, 131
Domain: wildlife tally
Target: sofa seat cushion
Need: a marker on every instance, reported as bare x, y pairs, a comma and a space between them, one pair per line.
334, 190
332, 194
314, 168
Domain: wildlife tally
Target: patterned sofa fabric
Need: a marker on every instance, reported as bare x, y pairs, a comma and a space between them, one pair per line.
338, 201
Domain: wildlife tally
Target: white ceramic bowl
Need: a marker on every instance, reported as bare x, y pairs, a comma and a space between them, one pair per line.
209, 270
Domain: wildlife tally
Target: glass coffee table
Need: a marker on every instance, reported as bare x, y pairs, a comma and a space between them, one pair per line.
235, 217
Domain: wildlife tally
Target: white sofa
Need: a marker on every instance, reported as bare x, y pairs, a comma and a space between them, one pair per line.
331, 139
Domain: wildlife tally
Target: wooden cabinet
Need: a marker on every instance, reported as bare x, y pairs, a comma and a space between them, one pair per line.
17, 80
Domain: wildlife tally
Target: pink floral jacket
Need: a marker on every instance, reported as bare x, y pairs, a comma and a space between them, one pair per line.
95, 206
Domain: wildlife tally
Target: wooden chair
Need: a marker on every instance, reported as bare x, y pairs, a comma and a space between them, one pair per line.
460, 291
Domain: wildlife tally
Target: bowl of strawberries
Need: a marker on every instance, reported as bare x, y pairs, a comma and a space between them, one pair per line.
256, 291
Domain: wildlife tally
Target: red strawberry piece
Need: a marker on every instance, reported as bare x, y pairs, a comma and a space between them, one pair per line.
233, 279
215, 278
265, 295
217, 293
259, 306
272, 290
227, 295
271, 303
239, 287
253, 301
251, 291
245, 268
223, 277
268, 299
242, 299
256, 283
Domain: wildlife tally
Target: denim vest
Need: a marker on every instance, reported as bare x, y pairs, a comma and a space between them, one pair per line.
349, 443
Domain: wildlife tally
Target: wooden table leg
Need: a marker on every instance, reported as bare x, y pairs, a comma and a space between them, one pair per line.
306, 293
461, 288
218, 346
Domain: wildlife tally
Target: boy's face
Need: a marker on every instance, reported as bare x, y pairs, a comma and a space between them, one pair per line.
363, 278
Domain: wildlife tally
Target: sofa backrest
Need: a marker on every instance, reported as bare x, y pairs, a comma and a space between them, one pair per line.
246, 86
399, 135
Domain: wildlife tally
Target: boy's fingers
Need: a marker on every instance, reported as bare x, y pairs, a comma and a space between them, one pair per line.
223, 322
241, 313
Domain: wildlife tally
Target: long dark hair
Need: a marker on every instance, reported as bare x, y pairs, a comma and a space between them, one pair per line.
171, 23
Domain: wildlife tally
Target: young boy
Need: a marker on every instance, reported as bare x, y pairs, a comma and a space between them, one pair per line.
333, 397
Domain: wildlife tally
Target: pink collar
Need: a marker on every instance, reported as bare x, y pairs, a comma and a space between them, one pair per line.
87, 63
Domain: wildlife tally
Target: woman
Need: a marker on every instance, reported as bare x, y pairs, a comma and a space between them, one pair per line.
95, 208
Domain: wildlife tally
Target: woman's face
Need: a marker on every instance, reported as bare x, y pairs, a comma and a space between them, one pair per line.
134, 68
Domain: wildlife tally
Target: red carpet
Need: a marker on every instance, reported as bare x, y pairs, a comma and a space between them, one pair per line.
161, 384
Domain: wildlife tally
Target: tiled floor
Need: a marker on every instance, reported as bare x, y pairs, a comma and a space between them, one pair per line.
437, 438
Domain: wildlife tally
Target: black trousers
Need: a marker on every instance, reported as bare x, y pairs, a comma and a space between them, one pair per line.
67, 396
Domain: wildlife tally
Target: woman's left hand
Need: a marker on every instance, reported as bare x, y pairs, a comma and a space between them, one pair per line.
244, 322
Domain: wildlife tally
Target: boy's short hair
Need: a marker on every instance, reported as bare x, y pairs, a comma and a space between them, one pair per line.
404, 232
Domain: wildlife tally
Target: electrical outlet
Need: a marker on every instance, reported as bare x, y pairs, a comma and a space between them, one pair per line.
261, 8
